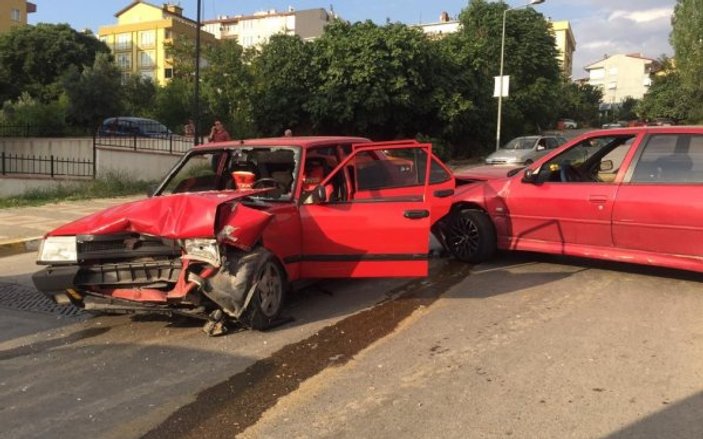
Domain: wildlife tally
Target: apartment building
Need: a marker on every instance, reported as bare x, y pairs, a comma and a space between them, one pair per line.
139, 37
14, 13
622, 76
445, 25
256, 29
566, 46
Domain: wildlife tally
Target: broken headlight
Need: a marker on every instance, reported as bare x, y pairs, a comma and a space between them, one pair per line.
57, 249
205, 250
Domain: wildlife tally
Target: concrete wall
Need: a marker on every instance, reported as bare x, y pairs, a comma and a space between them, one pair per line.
18, 185
68, 147
134, 164
138, 165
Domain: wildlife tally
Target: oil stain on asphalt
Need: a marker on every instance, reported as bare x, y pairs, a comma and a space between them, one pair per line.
230, 407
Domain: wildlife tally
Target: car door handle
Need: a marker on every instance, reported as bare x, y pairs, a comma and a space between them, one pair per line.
597, 198
444, 193
416, 214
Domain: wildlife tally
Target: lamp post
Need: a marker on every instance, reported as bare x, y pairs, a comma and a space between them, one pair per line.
500, 78
196, 94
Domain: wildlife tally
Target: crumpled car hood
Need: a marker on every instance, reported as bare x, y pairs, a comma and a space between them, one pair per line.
176, 216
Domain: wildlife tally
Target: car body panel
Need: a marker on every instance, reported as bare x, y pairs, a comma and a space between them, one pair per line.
169, 216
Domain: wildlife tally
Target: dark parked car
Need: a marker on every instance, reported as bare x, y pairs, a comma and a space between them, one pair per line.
132, 126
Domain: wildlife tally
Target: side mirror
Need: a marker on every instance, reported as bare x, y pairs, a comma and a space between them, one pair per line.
530, 176
605, 166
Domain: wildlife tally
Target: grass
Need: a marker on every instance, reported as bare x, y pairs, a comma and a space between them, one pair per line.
111, 185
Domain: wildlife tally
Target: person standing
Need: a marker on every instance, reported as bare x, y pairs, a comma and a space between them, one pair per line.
218, 133
189, 128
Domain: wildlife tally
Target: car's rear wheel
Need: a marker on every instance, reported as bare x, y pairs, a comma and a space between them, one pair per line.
268, 295
470, 236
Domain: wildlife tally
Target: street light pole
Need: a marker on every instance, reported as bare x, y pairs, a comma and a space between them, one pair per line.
502, 58
196, 94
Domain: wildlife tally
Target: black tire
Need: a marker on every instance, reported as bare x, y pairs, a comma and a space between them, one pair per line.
269, 283
470, 236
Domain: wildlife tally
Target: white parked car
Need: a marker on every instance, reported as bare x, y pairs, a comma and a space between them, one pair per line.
524, 150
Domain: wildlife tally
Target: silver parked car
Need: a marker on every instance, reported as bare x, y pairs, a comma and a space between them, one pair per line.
524, 150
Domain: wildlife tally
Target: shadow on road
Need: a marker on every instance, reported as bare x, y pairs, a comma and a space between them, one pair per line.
678, 420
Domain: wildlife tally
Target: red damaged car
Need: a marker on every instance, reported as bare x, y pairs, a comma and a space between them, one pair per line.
623, 194
234, 224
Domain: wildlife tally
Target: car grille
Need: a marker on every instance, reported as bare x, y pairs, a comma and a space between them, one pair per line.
124, 246
153, 273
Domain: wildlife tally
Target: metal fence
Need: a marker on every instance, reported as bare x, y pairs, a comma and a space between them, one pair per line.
44, 131
47, 165
170, 143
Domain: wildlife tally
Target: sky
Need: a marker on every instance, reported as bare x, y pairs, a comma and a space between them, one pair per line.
600, 26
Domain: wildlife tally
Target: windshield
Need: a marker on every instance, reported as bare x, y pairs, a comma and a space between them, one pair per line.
243, 168
520, 143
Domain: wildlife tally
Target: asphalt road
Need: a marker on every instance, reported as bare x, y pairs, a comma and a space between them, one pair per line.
528, 346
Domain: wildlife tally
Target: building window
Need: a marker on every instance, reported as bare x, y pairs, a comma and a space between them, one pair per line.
597, 73
124, 42
146, 58
147, 38
124, 61
15, 15
613, 71
149, 74
168, 73
612, 85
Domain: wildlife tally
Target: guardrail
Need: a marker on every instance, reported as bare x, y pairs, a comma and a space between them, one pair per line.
52, 166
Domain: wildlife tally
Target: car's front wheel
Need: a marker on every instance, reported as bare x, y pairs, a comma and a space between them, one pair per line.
470, 236
266, 302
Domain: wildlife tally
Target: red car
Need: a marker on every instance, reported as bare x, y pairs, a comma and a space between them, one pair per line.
235, 223
627, 194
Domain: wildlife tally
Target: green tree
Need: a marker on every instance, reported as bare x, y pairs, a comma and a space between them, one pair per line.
174, 103
281, 85
95, 93
687, 39
226, 87
530, 60
667, 99
139, 96
34, 58
580, 102
371, 80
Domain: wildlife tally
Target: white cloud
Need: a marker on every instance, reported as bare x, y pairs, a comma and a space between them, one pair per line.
645, 16
609, 27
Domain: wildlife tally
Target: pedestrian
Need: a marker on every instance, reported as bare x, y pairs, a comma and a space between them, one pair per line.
218, 133
288, 132
189, 128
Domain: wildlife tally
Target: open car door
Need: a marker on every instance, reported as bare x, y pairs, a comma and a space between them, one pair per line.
370, 217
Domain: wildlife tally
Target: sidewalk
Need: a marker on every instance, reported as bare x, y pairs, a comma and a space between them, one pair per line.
22, 228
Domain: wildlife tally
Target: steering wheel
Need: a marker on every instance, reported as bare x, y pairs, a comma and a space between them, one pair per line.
269, 183
568, 173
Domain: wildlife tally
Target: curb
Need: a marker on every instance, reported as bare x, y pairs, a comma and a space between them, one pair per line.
26, 245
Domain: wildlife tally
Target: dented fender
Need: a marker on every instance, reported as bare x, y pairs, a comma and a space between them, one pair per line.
240, 226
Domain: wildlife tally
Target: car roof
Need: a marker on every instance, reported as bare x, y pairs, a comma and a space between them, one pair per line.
301, 141
672, 129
